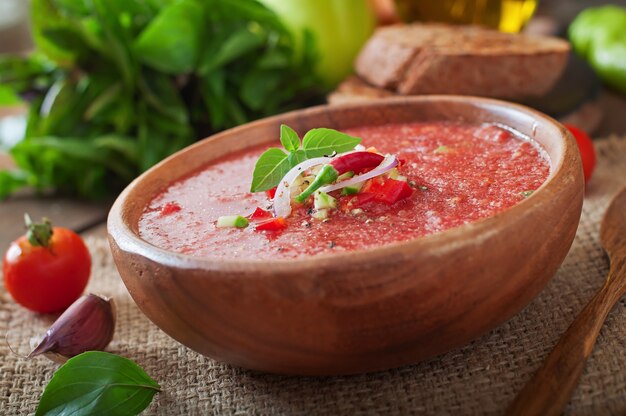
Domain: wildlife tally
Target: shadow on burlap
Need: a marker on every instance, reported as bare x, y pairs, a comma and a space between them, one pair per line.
481, 378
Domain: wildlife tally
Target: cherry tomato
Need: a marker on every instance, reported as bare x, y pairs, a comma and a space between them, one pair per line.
46, 273
587, 151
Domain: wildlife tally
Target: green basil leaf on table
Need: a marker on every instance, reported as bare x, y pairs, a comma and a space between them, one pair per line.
271, 167
97, 382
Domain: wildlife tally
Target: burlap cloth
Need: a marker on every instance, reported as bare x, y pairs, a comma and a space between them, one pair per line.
481, 378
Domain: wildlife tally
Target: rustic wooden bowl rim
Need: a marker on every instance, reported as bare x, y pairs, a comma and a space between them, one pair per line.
129, 241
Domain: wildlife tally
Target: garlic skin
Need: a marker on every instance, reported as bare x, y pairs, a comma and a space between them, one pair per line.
87, 325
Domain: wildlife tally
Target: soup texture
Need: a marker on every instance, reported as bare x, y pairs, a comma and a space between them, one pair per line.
459, 173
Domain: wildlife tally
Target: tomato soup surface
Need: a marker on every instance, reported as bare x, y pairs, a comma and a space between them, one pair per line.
459, 172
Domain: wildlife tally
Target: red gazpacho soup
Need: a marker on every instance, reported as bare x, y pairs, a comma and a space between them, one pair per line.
424, 178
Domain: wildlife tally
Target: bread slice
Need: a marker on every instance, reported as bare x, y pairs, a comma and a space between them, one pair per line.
353, 89
471, 60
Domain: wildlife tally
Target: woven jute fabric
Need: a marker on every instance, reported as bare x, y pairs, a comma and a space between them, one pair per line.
480, 378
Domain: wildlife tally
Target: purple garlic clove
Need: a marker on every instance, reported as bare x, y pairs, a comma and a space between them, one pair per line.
87, 325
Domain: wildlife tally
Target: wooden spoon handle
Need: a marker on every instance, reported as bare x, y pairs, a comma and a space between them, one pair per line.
549, 390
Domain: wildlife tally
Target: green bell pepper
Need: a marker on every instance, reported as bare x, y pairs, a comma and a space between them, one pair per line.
339, 29
598, 34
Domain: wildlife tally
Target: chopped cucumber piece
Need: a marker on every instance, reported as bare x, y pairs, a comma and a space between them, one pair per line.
352, 189
322, 200
395, 174
232, 221
345, 176
320, 214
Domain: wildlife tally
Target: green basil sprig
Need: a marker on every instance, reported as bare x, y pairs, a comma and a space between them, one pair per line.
274, 163
97, 382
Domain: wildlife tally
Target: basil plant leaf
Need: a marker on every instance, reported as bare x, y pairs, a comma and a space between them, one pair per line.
8, 97
171, 42
271, 167
323, 142
297, 157
289, 138
97, 382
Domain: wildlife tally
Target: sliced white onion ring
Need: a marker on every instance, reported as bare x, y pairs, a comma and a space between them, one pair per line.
388, 163
282, 198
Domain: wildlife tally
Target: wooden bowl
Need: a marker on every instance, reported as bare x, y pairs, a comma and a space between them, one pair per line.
367, 310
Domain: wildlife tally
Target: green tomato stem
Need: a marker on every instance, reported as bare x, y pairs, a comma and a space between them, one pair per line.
38, 234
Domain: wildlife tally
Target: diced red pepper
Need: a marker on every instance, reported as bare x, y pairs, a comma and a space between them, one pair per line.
170, 208
271, 192
355, 201
273, 224
388, 190
259, 214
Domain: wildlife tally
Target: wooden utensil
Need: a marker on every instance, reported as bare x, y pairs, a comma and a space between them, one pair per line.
549, 390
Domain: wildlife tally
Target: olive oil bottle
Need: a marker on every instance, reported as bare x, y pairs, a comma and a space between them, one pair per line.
504, 15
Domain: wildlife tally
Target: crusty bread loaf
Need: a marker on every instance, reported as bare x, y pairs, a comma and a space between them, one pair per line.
354, 89
445, 59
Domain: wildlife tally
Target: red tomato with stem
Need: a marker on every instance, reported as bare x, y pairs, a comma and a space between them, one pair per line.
47, 269
587, 151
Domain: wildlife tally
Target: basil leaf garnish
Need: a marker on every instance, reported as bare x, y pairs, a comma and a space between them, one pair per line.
323, 142
289, 138
97, 382
274, 164
297, 157
271, 167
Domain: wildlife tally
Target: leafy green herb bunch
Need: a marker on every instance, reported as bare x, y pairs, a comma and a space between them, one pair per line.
114, 86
